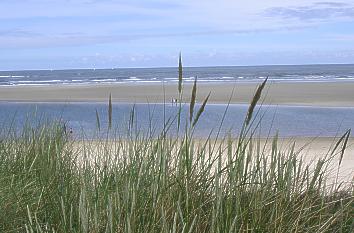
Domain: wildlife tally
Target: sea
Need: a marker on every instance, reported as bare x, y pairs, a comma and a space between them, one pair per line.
216, 121
276, 73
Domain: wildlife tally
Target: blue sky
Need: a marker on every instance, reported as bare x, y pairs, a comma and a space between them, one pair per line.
58, 34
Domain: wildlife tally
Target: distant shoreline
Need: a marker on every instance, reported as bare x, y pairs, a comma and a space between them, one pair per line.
325, 94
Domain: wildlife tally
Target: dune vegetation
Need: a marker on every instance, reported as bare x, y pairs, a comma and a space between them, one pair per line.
142, 183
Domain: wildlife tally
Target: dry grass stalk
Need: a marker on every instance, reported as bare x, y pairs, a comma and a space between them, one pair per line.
194, 95
180, 74
255, 99
201, 110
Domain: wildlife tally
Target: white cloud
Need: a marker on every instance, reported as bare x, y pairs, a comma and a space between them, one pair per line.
221, 12
255, 14
74, 22
17, 9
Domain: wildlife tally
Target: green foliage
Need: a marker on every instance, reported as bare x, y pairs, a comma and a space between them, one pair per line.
52, 184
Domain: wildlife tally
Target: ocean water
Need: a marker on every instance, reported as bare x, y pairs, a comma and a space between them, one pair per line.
288, 121
286, 73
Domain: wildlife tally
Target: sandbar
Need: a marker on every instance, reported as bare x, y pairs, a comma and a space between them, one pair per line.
305, 94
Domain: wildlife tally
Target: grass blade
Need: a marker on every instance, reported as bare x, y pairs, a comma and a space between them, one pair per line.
254, 101
201, 110
191, 106
110, 112
180, 74
344, 146
98, 121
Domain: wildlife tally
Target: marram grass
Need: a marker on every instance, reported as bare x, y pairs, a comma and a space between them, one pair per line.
49, 183
164, 185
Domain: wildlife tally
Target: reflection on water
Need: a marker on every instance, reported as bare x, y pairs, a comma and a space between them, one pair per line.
290, 121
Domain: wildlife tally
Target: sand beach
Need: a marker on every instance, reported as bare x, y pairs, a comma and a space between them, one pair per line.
308, 94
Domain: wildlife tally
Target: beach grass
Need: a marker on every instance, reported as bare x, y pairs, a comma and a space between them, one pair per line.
145, 183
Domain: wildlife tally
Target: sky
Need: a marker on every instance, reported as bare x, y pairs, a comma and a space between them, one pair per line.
65, 34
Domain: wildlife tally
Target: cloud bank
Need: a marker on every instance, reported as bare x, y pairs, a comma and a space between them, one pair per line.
147, 27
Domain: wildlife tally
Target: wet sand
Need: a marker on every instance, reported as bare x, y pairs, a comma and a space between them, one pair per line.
311, 94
